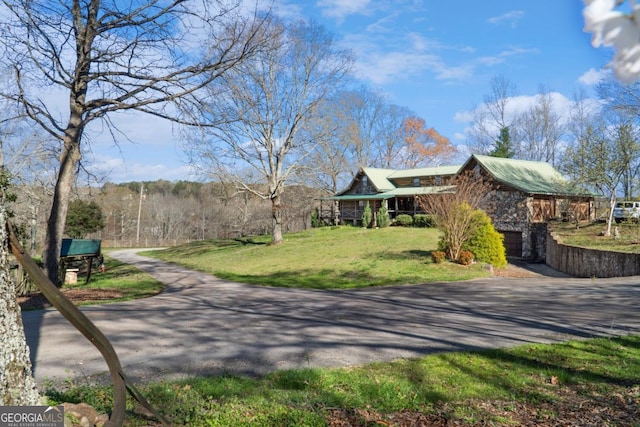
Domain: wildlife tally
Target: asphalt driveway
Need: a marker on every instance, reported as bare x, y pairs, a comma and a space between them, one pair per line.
202, 325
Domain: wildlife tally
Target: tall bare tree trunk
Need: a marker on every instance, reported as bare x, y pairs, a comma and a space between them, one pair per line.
276, 213
58, 216
17, 386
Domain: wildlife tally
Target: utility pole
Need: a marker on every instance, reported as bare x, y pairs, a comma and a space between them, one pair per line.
139, 214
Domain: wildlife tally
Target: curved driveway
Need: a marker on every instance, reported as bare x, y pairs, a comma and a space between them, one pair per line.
204, 325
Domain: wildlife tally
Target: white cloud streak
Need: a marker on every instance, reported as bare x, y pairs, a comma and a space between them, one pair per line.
510, 18
340, 9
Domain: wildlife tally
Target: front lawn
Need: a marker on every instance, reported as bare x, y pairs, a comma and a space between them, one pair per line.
325, 258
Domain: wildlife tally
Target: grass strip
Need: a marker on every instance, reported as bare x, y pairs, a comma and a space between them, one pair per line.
470, 387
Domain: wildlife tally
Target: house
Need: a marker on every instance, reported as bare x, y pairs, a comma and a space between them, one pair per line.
524, 197
398, 190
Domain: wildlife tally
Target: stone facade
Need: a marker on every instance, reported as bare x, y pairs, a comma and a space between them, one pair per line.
518, 214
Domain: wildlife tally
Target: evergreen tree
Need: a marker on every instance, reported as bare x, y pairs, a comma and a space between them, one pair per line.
367, 215
83, 218
504, 146
383, 217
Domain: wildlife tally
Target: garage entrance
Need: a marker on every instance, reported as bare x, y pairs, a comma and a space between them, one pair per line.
513, 243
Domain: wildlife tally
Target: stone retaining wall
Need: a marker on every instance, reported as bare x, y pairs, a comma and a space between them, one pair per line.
581, 262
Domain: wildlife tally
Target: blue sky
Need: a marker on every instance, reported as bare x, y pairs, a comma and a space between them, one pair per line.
435, 57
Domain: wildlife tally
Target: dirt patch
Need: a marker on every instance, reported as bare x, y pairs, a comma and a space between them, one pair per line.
514, 271
37, 301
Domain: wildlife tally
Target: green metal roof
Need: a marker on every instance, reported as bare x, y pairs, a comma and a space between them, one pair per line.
379, 196
396, 192
525, 175
421, 172
417, 191
379, 179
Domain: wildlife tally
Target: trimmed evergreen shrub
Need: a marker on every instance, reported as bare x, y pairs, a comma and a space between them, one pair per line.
486, 244
404, 220
315, 218
383, 217
423, 220
367, 215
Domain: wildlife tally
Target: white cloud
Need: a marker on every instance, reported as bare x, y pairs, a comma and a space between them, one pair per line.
459, 136
287, 9
510, 18
118, 169
341, 8
502, 56
463, 116
592, 77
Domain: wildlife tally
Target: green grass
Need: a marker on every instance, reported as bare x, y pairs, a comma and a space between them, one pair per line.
591, 235
456, 385
325, 258
128, 281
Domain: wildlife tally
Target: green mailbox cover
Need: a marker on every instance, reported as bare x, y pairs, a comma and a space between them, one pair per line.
80, 247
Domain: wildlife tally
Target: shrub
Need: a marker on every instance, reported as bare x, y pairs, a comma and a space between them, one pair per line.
438, 256
404, 220
383, 217
315, 219
465, 257
423, 220
485, 242
367, 215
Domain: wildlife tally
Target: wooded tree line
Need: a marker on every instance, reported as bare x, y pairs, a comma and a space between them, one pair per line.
169, 213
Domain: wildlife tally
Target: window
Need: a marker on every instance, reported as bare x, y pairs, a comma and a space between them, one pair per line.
438, 180
416, 182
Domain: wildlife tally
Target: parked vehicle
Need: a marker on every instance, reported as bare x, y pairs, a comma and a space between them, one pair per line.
626, 211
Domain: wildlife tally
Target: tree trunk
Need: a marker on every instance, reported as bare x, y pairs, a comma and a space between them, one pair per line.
61, 197
276, 213
17, 386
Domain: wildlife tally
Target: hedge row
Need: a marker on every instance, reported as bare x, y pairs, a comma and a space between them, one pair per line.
418, 220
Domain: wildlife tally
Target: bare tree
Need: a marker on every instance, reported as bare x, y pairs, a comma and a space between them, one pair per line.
391, 144
453, 209
355, 129
265, 104
107, 56
598, 160
540, 129
492, 115
328, 167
